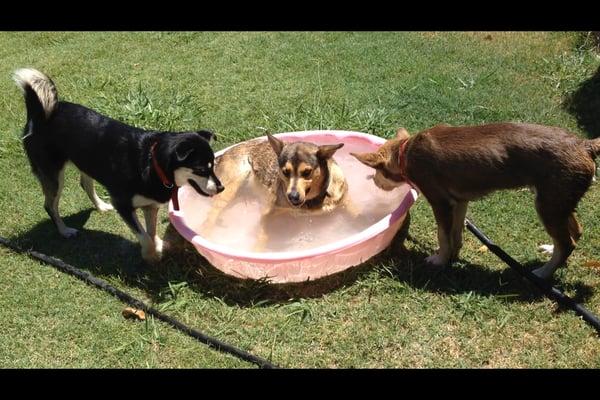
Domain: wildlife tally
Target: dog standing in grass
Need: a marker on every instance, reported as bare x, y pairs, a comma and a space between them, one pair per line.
138, 168
451, 166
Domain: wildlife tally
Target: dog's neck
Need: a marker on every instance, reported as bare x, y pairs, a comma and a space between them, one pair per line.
158, 169
323, 192
395, 168
162, 176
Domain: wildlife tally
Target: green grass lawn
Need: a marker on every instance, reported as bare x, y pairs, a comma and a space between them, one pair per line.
392, 312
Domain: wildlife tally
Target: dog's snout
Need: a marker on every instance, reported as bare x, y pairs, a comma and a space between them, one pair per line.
294, 198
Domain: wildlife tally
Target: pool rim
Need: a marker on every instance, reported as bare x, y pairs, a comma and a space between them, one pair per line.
177, 216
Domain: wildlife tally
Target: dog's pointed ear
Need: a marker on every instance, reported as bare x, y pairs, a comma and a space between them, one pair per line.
328, 150
207, 135
373, 160
402, 133
276, 144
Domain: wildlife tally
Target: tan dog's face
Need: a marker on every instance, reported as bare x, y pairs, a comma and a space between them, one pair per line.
300, 168
385, 161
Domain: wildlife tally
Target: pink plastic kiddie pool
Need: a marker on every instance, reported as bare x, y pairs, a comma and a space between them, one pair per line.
299, 261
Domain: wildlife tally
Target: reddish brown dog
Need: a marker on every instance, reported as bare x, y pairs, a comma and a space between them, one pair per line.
451, 166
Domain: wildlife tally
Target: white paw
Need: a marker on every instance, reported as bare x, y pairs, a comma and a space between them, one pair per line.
68, 232
103, 207
158, 245
436, 260
547, 249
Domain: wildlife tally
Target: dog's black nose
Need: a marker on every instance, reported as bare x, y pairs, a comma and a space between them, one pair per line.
294, 198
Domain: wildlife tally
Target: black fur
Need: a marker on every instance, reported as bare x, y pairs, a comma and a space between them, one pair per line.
115, 154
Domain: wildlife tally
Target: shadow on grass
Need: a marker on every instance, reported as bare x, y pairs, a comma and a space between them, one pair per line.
107, 255
584, 105
408, 267
464, 277
101, 253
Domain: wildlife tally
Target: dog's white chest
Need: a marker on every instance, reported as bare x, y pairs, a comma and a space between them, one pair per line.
141, 201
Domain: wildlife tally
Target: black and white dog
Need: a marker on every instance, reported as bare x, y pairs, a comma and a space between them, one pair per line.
139, 168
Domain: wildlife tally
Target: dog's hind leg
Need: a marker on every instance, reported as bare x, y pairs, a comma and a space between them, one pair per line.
459, 212
261, 239
148, 246
262, 235
52, 186
563, 246
556, 221
351, 208
150, 214
87, 184
575, 230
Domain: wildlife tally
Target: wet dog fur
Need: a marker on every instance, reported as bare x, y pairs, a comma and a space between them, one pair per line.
296, 176
115, 154
451, 166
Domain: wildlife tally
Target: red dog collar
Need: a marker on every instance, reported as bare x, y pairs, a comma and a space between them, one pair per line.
402, 163
163, 177
161, 174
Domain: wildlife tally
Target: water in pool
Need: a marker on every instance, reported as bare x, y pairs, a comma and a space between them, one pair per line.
239, 222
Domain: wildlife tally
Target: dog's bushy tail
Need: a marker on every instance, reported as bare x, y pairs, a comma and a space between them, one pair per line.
40, 93
593, 147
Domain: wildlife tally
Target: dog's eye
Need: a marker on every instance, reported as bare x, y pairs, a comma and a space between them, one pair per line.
286, 172
306, 173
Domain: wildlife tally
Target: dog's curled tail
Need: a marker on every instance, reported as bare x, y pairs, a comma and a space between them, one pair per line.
593, 147
40, 92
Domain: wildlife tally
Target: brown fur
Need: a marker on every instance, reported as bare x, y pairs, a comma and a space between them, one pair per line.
454, 165
263, 163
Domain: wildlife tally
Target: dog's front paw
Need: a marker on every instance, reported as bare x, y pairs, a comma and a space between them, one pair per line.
547, 249
103, 207
68, 232
158, 245
436, 260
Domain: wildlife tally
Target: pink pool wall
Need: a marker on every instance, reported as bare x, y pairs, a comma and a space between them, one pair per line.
299, 266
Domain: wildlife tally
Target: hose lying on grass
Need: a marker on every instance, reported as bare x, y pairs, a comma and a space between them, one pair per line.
127, 298
544, 286
550, 291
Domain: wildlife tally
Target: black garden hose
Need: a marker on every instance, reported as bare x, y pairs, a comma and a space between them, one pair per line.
132, 301
546, 288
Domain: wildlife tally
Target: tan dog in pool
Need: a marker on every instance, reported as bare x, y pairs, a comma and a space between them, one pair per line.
296, 177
